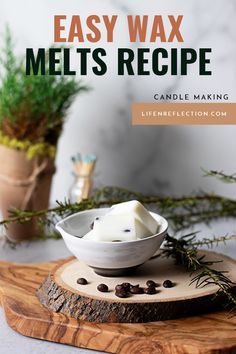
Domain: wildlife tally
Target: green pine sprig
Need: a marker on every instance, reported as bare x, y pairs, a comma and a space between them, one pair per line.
33, 107
185, 252
181, 212
220, 175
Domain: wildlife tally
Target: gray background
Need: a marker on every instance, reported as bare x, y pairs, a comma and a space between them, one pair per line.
148, 159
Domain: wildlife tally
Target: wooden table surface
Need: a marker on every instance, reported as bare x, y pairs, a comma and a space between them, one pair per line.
205, 334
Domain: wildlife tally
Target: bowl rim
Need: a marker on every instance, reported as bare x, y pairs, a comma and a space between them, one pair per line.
59, 227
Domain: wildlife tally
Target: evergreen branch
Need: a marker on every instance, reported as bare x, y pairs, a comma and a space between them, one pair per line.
214, 241
220, 175
33, 107
184, 251
181, 212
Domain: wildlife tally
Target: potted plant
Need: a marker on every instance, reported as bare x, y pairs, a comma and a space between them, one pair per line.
32, 113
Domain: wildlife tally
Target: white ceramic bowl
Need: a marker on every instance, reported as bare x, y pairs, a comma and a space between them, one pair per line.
108, 258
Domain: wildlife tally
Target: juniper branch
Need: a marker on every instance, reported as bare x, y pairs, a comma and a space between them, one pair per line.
221, 176
185, 253
181, 212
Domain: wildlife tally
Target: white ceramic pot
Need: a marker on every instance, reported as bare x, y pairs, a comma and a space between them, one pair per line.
108, 258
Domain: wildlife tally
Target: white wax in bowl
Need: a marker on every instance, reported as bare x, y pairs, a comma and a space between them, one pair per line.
124, 222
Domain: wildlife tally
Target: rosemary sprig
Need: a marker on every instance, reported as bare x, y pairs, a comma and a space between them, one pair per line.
185, 252
181, 212
221, 176
213, 241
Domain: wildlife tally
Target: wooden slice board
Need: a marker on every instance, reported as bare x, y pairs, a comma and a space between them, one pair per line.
61, 293
200, 334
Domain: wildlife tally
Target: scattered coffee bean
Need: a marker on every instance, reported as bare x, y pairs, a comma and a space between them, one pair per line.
136, 290
167, 283
103, 288
127, 230
150, 290
97, 218
119, 287
82, 281
121, 293
126, 286
131, 285
151, 283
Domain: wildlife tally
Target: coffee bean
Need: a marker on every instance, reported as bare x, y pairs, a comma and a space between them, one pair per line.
119, 287
103, 288
126, 286
150, 290
82, 281
167, 283
131, 285
121, 293
136, 290
151, 283
127, 230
